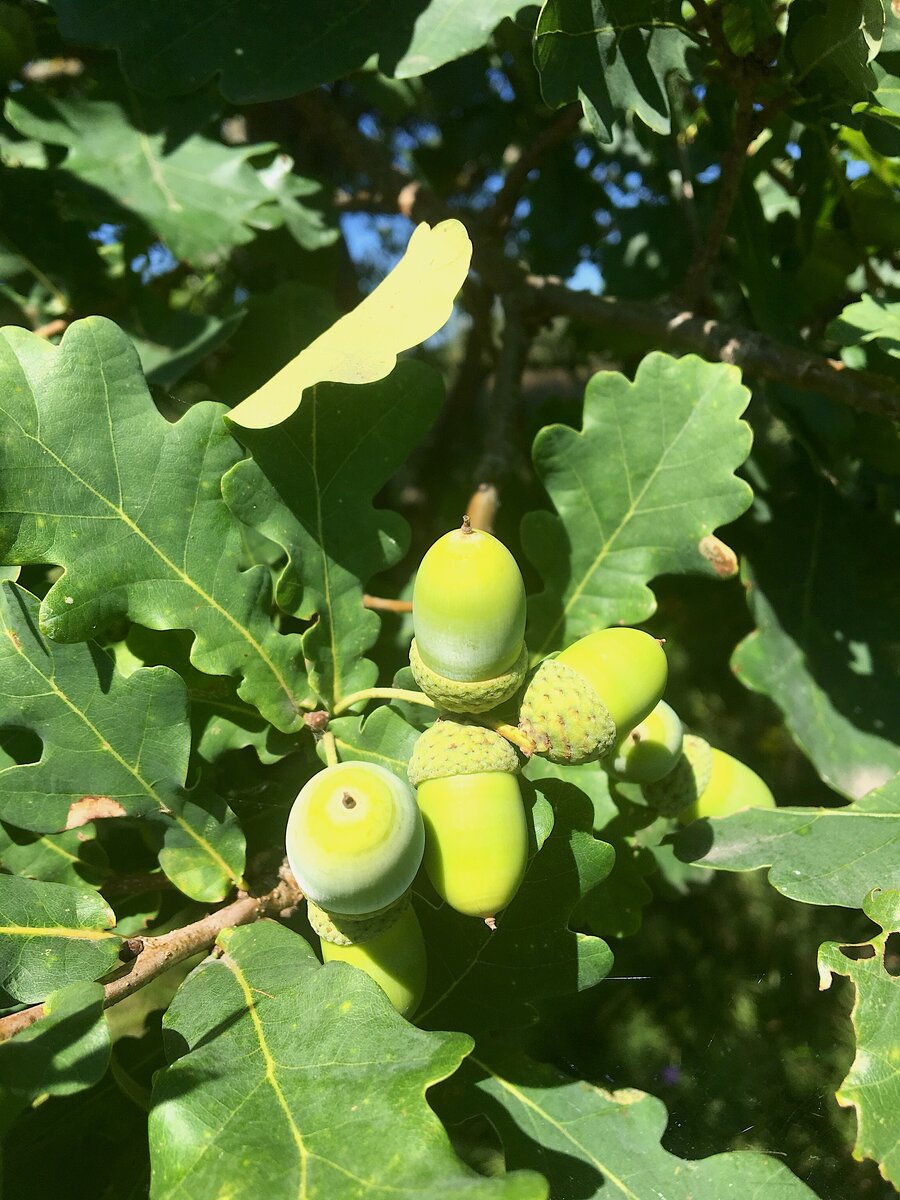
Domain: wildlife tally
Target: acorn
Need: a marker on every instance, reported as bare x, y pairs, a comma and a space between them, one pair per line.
578, 705
476, 843
651, 750
355, 840
686, 782
395, 958
468, 653
732, 786
707, 783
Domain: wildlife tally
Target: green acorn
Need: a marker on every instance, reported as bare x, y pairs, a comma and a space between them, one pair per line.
468, 653
578, 705
651, 750
395, 958
731, 787
686, 782
564, 716
627, 669
355, 840
476, 836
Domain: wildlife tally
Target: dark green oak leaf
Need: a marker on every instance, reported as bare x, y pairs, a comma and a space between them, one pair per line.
446, 30
596, 1144
872, 1085
482, 978
64, 1052
589, 778
615, 56
171, 47
112, 747
827, 629
52, 935
170, 343
73, 856
310, 488
815, 855
95, 480
201, 197
220, 720
324, 1091
383, 737
638, 492
830, 44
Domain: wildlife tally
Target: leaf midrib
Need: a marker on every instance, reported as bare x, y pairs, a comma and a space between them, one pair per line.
57, 931
120, 514
108, 748
528, 1103
607, 546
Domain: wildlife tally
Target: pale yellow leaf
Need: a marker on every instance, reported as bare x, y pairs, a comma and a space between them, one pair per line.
413, 302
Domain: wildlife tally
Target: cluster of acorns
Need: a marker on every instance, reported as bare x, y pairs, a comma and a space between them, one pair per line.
357, 834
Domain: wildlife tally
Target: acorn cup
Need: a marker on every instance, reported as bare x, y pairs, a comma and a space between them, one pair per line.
355, 840
476, 835
707, 782
577, 706
468, 653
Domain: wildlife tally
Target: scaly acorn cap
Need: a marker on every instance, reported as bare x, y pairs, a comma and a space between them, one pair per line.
449, 748
686, 782
345, 929
564, 717
459, 697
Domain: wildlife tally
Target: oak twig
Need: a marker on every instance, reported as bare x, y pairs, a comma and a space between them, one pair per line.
158, 954
512, 733
330, 746
381, 693
483, 505
566, 123
383, 604
499, 442
733, 160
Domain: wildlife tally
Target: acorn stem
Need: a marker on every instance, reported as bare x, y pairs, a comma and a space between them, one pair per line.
381, 693
512, 733
330, 746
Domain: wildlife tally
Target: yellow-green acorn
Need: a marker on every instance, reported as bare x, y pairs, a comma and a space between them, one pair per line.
476, 844
394, 957
627, 669
732, 786
355, 840
578, 705
563, 715
651, 750
686, 782
468, 653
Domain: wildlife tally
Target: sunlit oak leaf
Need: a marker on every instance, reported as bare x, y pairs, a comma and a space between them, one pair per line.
413, 302
872, 1085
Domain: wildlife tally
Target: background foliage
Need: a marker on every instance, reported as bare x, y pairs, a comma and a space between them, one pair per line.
683, 315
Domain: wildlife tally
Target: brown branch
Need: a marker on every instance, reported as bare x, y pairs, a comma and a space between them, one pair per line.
499, 444
383, 604
756, 353
52, 328
565, 123
155, 955
733, 160
483, 505
136, 884
663, 325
